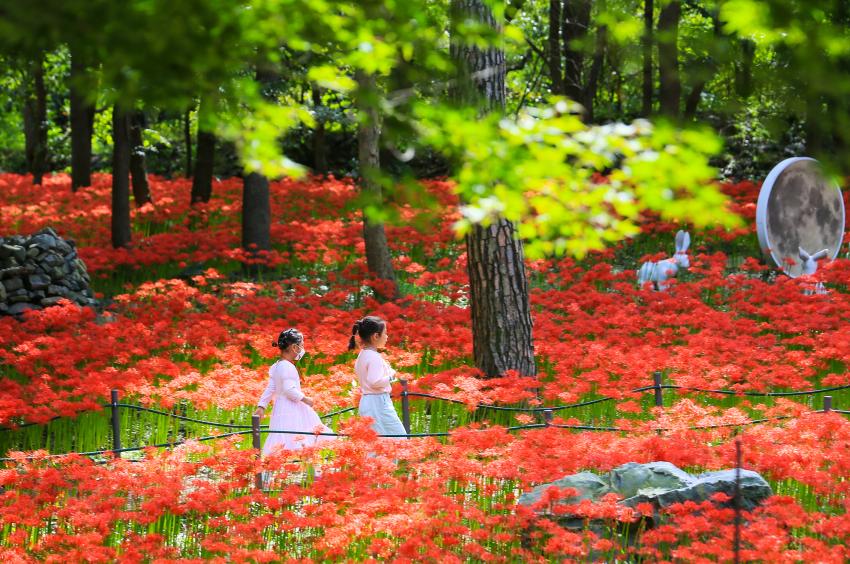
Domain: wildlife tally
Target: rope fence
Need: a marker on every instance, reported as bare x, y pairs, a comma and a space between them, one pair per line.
256, 429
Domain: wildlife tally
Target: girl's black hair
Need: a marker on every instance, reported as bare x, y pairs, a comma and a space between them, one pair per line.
288, 337
365, 328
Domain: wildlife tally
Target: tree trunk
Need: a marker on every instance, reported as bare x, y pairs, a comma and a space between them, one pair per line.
120, 178
592, 85
498, 287
692, 101
498, 297
320, 149
815, 122
202, 181
481, 79
378, 256
82, 127
256, 216
574, 30
647, 41
187, 138
744, 69
555, 73
141, 189
205, 159
35, 121
256, 200
668, 58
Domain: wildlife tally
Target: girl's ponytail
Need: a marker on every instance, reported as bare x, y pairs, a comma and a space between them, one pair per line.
351, 341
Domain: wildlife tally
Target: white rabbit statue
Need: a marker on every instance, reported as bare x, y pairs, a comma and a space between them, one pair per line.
659, 272
810, 266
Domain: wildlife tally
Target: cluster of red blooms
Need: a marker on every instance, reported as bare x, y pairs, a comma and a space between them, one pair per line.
420, 499
206, 340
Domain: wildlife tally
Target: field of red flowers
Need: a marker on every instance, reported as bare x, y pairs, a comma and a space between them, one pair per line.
181, 329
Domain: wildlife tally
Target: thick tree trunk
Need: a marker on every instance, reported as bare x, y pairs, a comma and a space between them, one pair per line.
35, 121
256, 215
498, 296
498, 287
574, 30
205, 159
120, 178
187, 140
481, 79
320, 149
555, 73
668, 59
378, 256
82, 128
647, 43
141, 188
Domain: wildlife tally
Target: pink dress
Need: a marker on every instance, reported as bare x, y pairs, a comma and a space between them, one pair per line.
289, 412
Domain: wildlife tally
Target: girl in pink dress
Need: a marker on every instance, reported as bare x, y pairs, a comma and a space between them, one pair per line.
292, 409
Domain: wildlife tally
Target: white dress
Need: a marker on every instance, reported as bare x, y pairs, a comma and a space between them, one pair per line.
289, 412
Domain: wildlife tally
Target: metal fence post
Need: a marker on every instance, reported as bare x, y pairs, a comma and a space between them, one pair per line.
116, 424
405, 406
736, 547
827, 404
659, 398
255, 436
547, 417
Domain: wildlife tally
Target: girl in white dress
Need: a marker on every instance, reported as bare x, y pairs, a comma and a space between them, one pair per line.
292, 409
375, 376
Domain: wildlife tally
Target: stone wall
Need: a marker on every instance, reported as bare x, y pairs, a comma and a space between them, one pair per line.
38, 271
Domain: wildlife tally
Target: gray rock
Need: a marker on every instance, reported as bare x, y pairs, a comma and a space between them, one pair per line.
54, 290
19, 308
18, 253
13, 271
37, 271
629, 479
38, 281
13, 284
658, 483
51, 259
43, 241
47, 231
63, 247
587, 485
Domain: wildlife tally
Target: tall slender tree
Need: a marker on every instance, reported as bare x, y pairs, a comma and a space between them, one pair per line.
138, 169
82, 125
378, 256
498, 287
668, 58
320, 145
205, 158
35, 119
647, 42
187, 140
256, 202
120, 177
